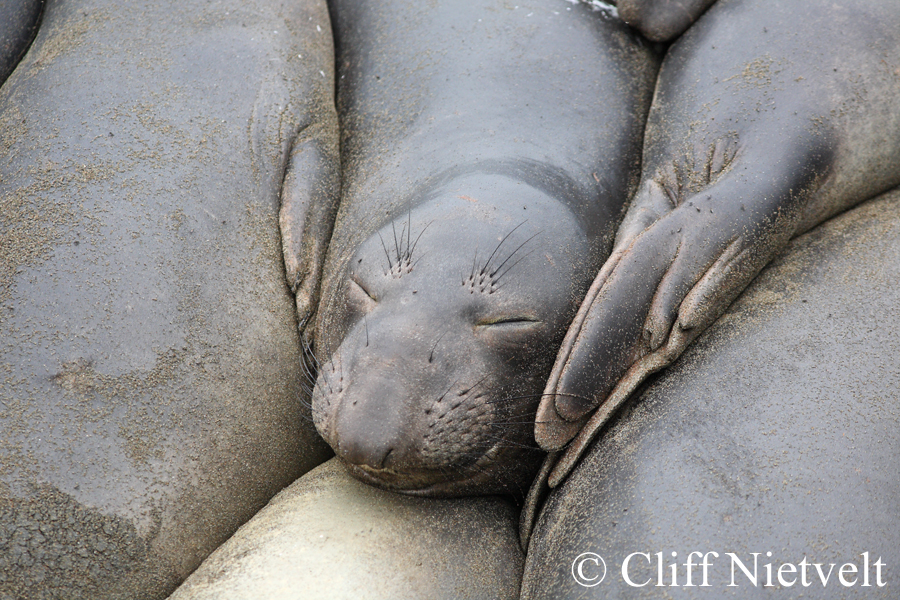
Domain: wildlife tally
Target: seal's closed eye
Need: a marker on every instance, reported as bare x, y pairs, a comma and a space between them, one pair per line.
515, 333
510, 322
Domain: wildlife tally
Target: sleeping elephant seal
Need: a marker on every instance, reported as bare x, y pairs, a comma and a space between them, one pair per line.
487, 151
768, 118
331, 537
777, 431
149, 395
19, 20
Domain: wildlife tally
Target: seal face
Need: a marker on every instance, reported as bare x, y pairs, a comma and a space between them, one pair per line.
452, 322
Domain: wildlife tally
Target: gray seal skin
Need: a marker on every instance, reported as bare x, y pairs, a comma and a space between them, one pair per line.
19, 21
487, 152
151, 401
776, 431
768, 118
329, 536
662, 20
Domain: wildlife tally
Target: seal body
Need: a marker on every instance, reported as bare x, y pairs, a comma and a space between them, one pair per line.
777, 431
747, 145
148, 345
487, 153
368, 543
19, 20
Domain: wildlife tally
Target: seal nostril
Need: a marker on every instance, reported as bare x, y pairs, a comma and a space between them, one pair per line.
362, 454
367, 433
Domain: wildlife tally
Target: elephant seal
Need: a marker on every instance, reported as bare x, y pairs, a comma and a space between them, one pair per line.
336, 538
747, 145
777, 432
19, 21
487, 152
149, 396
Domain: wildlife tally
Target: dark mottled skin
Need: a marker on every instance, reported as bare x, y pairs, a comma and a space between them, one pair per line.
768, 118
463, 123
776, 431
149, 396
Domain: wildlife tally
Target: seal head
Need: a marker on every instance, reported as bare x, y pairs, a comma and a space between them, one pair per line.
448, 328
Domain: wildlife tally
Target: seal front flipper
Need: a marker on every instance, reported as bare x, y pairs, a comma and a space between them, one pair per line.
309, 201
783, 132
662, 20
695, 235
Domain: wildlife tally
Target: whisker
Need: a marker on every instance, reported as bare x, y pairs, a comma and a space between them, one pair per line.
307, 372
306, 418
526, 255
307, 346
527, 396
464, 392
403, 253
396, 247
521, 491
306, 390
514, 252
386, 253
412, 266
501, 424
408, 227
413, 249
484, 269
306, 369
324, 377
448, 390
511, 444
431, 355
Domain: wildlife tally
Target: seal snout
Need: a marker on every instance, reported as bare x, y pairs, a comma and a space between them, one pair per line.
364, 451
369, 426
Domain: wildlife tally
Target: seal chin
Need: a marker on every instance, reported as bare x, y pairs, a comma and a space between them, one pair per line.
406, 483
477, 478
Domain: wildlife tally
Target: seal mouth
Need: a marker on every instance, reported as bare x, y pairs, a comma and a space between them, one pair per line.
430, 482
